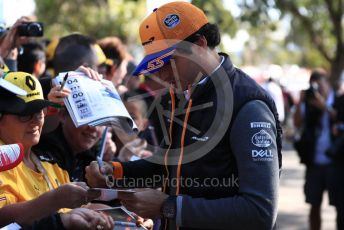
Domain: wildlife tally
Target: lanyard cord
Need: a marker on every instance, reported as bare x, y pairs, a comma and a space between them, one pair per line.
186, 119
173, 107
41, 169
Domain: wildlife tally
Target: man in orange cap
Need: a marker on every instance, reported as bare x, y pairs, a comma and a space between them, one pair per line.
219, 163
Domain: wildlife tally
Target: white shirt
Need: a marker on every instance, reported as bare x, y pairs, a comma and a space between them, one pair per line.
324, 138
186, 92
275, 92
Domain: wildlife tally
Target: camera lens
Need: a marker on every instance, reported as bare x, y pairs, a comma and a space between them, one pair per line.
34, 29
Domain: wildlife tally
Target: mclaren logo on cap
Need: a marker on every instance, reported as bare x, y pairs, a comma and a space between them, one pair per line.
149, 41
171, 20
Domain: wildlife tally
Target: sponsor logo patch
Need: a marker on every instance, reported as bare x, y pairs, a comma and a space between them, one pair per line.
261, 139
156, 63
199, 138
171, 20
262, 155
266, 125
149, 41
35, 187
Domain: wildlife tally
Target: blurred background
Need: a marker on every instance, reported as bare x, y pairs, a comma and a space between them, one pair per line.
292, 34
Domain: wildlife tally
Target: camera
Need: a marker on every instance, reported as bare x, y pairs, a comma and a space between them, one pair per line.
31, 29
314, 87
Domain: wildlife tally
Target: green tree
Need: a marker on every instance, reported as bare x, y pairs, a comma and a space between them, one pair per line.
94, 18
261, 48
217, 14
316, 28
266, 44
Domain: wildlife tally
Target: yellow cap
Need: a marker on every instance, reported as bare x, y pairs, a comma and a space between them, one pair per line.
30, 103
50, 50
4, 68
100, 54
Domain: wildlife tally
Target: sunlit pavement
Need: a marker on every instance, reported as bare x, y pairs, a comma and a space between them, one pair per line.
293, 211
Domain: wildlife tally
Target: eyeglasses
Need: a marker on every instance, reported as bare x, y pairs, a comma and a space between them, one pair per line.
37, 116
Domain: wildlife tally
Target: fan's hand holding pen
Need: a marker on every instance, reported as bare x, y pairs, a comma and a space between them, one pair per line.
57, 95
59, 92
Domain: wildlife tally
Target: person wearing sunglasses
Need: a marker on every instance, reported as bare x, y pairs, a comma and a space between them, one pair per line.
37, 186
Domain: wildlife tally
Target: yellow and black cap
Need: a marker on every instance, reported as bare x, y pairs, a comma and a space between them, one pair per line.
26, 101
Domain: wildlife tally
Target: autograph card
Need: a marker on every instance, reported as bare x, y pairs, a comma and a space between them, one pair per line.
109, 194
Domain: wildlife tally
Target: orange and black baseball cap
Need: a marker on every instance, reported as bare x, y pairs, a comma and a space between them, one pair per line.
163, 29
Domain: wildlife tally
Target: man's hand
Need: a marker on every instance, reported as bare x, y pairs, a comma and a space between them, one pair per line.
11, 39
90, 73
318, 101
144, 202
147, 223
86, 219
110, 147
57, 95
96, 178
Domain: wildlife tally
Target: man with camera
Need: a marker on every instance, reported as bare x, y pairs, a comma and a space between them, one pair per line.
18, 34
336, 152
314, 114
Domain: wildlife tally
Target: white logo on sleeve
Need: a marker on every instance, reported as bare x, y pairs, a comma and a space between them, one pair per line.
199, 138
262, 155
266, 125
262, 139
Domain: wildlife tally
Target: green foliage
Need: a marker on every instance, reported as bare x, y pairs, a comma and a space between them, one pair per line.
94, 18
315, 36
316, 28
217, 14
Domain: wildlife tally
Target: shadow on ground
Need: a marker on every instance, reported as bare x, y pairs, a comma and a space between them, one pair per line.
289, 176
290, 221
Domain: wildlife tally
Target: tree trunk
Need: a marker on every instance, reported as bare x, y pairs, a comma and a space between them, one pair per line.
337, 67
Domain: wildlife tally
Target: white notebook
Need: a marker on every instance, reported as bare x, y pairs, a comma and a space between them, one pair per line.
94, 102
